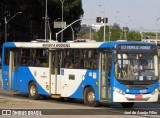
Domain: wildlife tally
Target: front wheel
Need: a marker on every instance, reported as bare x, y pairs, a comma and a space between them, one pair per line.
89, 97
33, 91
127, 104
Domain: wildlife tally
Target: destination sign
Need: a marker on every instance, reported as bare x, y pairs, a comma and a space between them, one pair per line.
136, 48
133, 47
56, 45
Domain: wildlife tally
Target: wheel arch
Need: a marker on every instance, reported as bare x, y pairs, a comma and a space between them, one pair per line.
87, 86
36, 95
88, 89
31, 82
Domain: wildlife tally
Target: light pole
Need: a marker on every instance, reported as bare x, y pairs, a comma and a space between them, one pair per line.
141, 32
56, 20
157, 29
105, 20
125, 28
125, 35
72, 33
67, 27
109, 33
5, 22
46, 18
49, 27
62, 1
90, 32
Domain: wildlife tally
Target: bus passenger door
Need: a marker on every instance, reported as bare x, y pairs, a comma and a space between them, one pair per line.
13, 62
104, 79
55, 63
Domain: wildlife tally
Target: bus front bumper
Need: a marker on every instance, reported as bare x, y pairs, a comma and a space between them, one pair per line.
118, 97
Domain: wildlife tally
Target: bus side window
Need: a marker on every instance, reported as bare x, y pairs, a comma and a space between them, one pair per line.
7, 56
38, 62
30, 62
24, 62
6, 61
76, 65
67, 64
44, 63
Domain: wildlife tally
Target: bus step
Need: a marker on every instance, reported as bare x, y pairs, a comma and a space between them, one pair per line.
55, 96
13, 90
105, 100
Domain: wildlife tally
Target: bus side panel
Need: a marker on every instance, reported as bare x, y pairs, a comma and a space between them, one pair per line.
5, 77
71, 79
15, 81
91, 79
74, 88
22, 75
36, 74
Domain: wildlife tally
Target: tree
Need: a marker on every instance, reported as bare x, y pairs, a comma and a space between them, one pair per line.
133, 36
149, 34
117, 33
30, 24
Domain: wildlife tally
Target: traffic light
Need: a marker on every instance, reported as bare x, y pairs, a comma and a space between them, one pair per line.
105, 20
101, 20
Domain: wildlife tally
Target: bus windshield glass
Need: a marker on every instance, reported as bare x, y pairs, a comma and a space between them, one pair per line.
135, 67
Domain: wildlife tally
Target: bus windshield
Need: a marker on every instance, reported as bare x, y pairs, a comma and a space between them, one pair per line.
135, 67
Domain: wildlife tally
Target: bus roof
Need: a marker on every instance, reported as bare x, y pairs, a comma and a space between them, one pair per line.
53, 45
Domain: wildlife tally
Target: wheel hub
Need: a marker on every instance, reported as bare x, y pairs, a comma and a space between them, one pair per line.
32, 90
91, 97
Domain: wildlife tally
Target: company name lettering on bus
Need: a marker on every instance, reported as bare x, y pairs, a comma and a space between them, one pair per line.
135, 47
56, 45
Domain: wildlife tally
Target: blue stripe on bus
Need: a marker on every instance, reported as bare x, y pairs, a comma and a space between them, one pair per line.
28, 78
5, 77
20, 80
9, 44
113, 44
88, 81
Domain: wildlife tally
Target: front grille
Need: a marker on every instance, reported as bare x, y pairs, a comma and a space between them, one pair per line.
142, 99
138, 86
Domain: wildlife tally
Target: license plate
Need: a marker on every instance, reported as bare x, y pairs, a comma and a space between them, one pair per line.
138, 96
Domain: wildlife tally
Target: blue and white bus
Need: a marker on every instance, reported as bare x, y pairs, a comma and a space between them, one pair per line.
92, 71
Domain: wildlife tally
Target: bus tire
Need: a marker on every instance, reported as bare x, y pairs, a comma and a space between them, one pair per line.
127, 104
89, 97
33, 91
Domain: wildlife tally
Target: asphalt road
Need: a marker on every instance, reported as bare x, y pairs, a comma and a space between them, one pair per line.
20, 103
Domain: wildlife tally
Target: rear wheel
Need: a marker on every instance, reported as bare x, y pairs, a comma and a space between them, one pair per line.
89, 97
33, 91
127, 104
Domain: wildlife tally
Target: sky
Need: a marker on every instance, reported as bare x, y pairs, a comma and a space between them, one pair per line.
135, 14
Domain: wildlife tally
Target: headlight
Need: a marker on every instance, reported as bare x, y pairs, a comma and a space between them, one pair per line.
118, 90
154, 91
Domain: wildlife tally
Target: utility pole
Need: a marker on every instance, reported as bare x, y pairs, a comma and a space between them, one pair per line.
6, 22
46, 18
62, 1
157, 29
105, 20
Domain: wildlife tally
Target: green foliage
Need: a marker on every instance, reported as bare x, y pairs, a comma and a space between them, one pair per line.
133, 36
149, 34
82, 33
30, 24
116, 33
